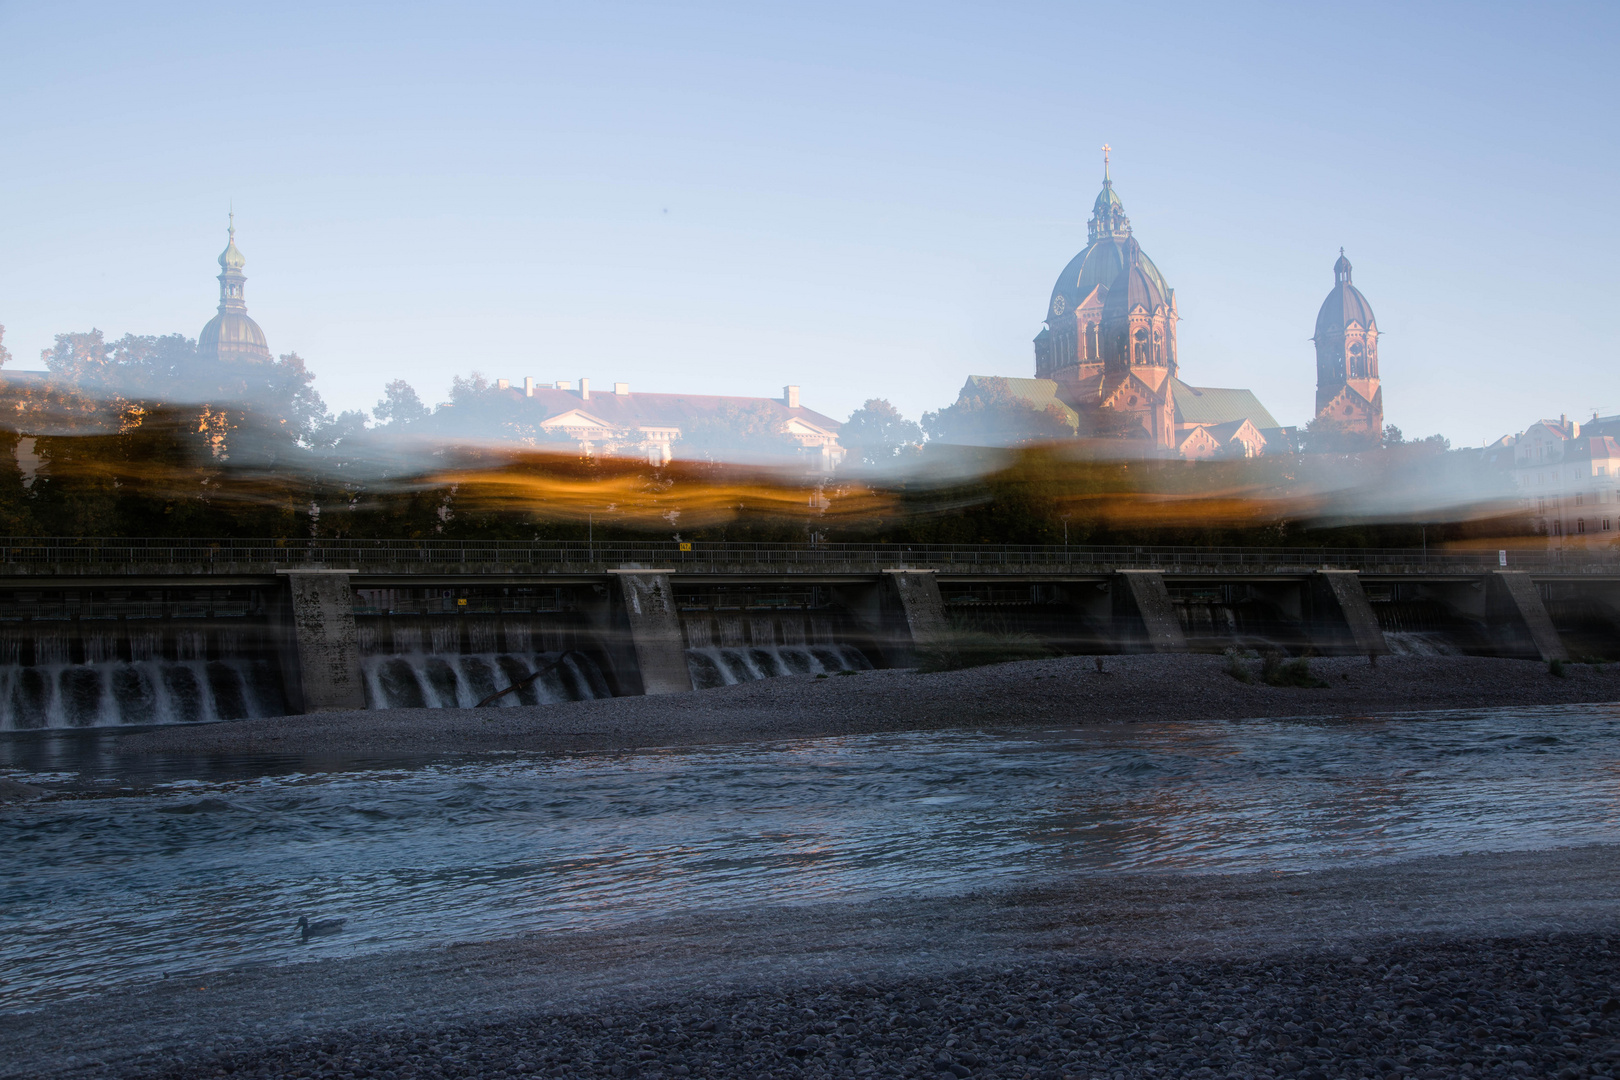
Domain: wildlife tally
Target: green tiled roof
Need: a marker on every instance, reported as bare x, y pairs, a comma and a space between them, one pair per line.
1037, 393
1216, 405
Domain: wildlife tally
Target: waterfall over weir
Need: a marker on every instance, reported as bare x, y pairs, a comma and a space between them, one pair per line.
132, 676
726, 649
438, 663
428, 681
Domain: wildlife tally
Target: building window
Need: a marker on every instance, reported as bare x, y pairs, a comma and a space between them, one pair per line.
1606, 524
1558, 528
1541, 507
1580, 525
1579, 498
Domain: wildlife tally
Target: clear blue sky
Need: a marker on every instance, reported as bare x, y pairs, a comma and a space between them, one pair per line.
868, 200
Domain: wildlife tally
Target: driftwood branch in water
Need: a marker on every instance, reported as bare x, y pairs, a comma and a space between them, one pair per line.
527, 679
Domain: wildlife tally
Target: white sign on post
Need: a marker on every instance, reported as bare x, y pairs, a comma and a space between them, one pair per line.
1501, 558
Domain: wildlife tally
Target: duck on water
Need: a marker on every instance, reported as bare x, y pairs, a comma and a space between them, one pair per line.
322, 928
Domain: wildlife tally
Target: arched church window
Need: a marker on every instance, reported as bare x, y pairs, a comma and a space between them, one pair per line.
1142, 346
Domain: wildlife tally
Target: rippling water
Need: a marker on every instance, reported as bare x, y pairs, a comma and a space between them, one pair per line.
118, 877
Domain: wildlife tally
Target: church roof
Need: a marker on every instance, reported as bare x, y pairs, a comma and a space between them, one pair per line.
1138, 285
1038, 394
1344, 305
1215, 405
231, 336
1103, 259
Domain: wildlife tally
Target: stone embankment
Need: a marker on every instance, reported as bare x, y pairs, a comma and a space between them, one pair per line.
1063, 691
1536, 1006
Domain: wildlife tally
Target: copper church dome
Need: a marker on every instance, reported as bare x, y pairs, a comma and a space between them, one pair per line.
1104, 257
1344, 306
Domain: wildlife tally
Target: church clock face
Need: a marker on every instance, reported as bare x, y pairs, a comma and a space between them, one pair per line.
1058, 304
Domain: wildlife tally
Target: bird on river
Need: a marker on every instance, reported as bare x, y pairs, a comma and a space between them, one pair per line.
319, 929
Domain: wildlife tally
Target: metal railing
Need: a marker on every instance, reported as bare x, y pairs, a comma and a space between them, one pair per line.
35, 555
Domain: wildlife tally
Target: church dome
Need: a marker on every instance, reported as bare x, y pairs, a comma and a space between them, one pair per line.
1103, 259
231, 337
1135, 286
1344, 305
231, 258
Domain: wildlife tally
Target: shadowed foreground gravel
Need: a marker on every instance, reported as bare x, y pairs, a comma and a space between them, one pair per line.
1541, 1006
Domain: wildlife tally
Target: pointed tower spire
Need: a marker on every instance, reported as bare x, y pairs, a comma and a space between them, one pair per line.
1107, 213
230, 336
231, 278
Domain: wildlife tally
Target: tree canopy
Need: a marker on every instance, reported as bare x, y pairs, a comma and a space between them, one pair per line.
989, 413
877, 433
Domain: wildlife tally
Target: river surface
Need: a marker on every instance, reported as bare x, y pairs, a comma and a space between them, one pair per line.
122, 873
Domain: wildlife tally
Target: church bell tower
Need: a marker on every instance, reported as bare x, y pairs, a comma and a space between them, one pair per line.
1348, 396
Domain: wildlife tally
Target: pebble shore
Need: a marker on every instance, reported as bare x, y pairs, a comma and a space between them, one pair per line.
1541, 1006
1066, 690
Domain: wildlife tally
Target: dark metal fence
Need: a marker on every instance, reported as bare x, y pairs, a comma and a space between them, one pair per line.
29, 555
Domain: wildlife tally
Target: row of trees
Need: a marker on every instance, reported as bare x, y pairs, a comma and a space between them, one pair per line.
142, 437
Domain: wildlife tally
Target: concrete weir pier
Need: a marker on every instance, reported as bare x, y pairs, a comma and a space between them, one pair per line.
102, 632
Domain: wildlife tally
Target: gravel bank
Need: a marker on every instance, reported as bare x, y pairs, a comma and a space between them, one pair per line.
1069, 690
1514, 945
1534, 1006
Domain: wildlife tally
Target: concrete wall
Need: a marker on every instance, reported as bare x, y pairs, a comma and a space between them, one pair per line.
1145, 619
1342, 620
922, 607
654, 625
322, 665
1517, 619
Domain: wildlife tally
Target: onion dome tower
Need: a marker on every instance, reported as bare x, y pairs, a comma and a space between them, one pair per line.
231, 337
1348, 394
1069, 349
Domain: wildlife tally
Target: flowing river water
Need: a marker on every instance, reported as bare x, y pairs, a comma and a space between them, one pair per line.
123, 872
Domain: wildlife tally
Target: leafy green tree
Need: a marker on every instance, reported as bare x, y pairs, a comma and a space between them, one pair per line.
400, 405
1325, 435
877, 432
82, 359
5, 357
753, 432
989, 414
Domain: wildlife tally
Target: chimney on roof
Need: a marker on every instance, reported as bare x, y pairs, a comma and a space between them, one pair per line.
503, 384
584, 389
790, 396
622, 389
528, 386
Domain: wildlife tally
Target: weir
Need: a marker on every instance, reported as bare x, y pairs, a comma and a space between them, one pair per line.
105, 633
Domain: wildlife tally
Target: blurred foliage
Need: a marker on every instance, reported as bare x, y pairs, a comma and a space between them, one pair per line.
140, 437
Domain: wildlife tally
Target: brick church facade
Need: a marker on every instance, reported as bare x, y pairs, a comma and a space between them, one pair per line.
1108, 352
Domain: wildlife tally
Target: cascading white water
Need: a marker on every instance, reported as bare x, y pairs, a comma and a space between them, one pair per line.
711, 667
429, 681
105, 691
726, 649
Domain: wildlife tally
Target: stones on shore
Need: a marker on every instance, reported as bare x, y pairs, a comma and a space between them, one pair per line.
1542, 1006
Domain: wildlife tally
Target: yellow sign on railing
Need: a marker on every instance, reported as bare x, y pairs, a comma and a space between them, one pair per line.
686, 547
